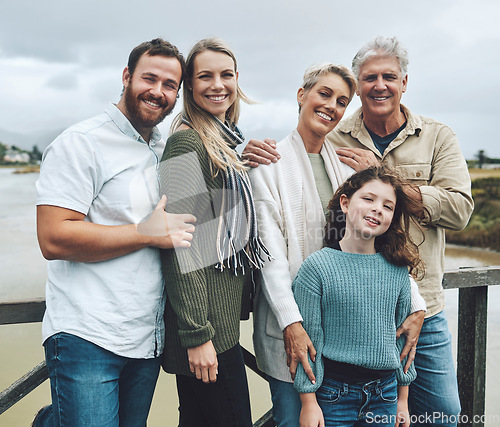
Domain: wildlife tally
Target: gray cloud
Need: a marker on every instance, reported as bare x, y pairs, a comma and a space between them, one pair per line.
66, 58
63, 81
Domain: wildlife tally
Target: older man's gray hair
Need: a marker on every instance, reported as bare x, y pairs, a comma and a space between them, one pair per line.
381, 46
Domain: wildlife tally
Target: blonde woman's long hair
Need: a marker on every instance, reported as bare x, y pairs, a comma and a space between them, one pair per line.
221, 154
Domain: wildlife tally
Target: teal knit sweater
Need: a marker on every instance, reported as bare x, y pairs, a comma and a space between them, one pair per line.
352, 305
203, 303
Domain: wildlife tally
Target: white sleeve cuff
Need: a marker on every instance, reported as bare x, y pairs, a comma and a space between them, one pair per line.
417, 302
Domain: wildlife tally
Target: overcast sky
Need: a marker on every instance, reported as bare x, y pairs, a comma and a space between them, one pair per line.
61, 60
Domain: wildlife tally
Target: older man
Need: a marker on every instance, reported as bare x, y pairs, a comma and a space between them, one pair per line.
99, 228
428, 154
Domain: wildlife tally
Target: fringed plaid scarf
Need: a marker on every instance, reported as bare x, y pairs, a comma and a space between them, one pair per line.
238, 242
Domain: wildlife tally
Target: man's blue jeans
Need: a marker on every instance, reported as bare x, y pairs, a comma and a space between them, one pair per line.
91, 386
433, 396
372, 403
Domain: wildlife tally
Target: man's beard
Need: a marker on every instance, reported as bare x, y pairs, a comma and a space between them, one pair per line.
137, 116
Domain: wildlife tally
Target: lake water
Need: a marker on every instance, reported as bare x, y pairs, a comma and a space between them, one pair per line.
23, 274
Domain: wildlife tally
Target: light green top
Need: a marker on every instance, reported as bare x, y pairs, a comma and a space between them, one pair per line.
323, 183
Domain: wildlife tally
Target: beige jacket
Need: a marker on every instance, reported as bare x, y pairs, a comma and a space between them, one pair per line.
428, 154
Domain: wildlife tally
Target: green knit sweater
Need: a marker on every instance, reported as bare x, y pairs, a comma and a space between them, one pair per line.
203, 303
352, 305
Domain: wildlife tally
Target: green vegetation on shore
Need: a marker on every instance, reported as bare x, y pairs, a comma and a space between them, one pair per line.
483, 229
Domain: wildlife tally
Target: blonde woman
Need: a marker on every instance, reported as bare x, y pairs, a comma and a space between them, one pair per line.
207, 283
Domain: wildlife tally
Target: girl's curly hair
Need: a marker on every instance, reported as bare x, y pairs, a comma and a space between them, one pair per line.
396, 243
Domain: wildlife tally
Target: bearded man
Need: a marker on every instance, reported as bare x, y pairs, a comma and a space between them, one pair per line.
100, 222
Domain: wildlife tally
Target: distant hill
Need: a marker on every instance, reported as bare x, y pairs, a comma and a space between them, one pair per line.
26, 141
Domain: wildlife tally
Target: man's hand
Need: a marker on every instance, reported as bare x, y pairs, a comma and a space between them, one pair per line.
203, 362
168, 230
357, 158
260, 152
411, 329
297, 345
65, 234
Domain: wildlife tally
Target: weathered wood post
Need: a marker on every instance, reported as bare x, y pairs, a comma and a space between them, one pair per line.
471, 361
472, 316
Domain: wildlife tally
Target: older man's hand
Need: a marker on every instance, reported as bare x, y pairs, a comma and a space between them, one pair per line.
260, 152
357, 158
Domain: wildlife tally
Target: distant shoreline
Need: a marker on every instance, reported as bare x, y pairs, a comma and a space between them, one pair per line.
22, 168
28, 169
468, 247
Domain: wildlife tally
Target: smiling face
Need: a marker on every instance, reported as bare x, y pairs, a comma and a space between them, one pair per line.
150, 93
381, 86
322, 107
214, 82
369, 211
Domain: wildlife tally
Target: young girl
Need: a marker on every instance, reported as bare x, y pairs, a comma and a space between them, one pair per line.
202, 174
353, 294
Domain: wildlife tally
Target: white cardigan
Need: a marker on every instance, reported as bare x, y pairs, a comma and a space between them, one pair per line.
286, 200
291, 224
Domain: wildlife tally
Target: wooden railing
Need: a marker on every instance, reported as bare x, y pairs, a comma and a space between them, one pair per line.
472, 325
32, 311
471, 359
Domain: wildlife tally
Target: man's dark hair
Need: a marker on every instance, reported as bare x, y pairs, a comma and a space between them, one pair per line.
155, 47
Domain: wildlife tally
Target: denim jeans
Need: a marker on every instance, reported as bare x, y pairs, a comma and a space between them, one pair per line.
224, 403
91, 386
372, 403
433, 395
286, 403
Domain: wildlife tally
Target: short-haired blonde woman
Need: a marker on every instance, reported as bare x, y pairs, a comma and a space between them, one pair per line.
291, 198
206, 284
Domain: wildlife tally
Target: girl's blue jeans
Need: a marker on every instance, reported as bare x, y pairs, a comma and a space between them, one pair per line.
368, 404
91, 386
